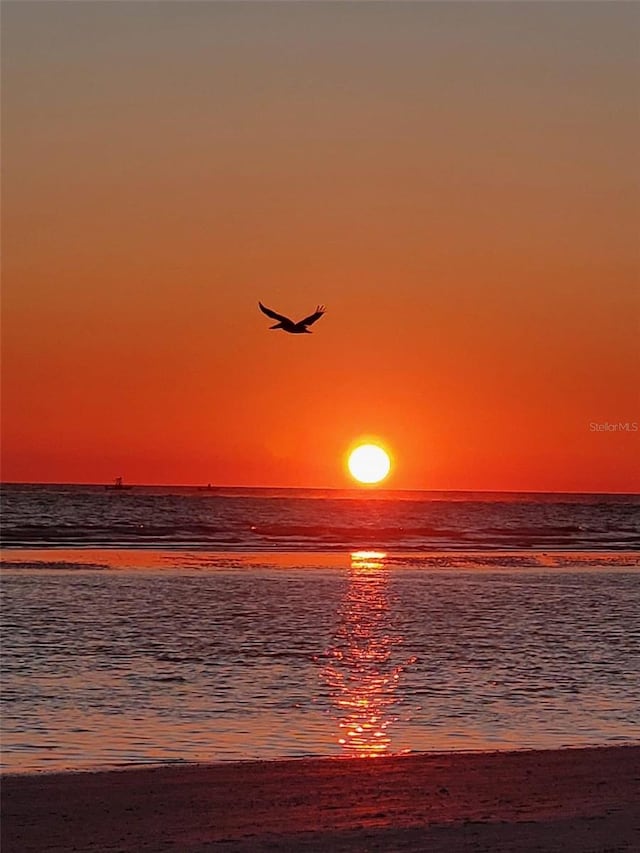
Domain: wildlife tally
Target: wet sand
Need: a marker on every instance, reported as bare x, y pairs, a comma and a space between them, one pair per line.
564, 800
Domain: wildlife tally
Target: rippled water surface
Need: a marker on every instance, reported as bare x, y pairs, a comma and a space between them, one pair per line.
217, 659
315, 520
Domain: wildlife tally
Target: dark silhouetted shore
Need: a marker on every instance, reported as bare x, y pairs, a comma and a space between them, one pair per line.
574, 799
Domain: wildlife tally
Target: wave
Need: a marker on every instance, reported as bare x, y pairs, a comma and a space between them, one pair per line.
316, 537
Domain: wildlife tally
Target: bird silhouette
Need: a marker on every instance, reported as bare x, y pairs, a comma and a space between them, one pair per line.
288, 325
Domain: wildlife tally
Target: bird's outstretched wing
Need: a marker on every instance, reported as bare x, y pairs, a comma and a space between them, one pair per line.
280, 317
313, 317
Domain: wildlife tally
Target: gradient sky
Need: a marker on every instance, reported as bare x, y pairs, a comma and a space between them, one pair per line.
458, 182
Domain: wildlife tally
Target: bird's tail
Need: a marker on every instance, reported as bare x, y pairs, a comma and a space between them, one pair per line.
277, 326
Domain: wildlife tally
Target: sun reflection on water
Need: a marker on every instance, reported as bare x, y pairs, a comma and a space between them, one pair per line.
361, 672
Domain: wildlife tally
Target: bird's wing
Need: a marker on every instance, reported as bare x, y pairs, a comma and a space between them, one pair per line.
313, 317
273, 314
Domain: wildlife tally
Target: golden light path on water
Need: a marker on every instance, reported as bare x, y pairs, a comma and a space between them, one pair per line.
361, 674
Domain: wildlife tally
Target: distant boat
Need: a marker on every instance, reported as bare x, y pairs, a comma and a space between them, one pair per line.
119, 486
208, 488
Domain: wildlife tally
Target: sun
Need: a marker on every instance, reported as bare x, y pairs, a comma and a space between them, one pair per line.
369, 463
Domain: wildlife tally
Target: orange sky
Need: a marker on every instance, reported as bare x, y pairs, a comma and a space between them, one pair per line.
457, 182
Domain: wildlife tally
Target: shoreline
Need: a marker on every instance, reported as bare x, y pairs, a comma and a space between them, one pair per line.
195, 764
574, 798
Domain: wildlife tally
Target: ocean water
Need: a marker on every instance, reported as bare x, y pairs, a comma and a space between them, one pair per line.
315, 520
158, 625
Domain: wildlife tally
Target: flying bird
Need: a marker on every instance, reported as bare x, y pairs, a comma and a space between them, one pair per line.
288, 325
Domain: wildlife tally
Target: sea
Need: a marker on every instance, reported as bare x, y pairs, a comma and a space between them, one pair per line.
157, 625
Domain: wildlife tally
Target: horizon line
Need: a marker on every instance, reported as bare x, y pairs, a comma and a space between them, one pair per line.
354, 488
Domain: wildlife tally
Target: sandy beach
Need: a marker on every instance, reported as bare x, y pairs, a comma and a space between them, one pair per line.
576, 799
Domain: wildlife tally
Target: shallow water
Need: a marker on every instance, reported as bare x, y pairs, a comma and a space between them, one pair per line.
218, 657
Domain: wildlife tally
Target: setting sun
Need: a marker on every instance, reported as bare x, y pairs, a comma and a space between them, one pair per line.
369, 463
